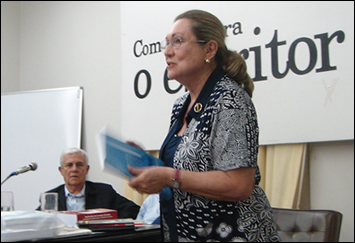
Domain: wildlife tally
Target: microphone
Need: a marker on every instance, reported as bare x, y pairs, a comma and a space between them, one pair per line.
30, 166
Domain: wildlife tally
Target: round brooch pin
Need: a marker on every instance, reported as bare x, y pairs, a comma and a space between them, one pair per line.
198, 107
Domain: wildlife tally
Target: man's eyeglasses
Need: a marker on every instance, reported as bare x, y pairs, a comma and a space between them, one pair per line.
176, 42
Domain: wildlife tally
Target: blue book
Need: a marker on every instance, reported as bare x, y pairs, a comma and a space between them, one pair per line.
120, 154
116, 155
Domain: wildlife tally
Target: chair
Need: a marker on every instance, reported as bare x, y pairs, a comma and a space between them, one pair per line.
296, 225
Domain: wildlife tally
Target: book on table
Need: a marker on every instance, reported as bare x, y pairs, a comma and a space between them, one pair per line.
110, 224
71, 218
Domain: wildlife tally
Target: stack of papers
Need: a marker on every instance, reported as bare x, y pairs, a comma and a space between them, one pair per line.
71, 231
29, 225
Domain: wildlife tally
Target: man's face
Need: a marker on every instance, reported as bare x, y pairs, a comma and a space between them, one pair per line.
74, 169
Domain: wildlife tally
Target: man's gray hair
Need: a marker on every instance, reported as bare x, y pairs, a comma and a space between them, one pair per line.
73, 151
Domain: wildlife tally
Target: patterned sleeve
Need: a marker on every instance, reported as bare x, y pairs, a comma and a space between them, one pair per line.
234, 137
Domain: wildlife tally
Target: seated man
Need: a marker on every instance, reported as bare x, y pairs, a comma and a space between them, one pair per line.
79, 194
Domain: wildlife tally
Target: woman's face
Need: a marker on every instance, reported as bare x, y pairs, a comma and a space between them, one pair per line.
188, 60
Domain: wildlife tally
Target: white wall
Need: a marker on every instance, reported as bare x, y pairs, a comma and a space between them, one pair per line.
10, 46
62, 44
65, 44
332, 181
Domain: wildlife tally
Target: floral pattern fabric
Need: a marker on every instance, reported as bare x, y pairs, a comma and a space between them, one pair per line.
225, 137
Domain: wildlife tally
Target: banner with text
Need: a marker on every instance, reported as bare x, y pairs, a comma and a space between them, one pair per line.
299, 54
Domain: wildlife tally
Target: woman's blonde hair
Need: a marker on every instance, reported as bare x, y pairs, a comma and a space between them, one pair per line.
208, 27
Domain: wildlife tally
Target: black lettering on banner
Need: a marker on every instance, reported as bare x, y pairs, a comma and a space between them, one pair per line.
152, 48
257, 62
312, 55
274, 44
325, 41
140, 49
166, 84
236, 28
149, 84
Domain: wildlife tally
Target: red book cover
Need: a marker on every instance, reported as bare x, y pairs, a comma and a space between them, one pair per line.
72, 217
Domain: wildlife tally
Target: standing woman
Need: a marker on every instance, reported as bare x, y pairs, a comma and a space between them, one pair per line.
211, 149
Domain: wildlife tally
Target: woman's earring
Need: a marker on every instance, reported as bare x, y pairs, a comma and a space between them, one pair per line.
207, 61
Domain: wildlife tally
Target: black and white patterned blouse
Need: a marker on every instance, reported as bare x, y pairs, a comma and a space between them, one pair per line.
223, 135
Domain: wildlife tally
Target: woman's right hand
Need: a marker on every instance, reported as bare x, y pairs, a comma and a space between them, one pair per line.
151, 179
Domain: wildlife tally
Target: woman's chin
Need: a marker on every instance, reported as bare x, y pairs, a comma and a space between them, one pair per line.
171, 75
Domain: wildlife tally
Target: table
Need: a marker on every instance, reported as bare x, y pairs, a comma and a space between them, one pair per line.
139, 235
